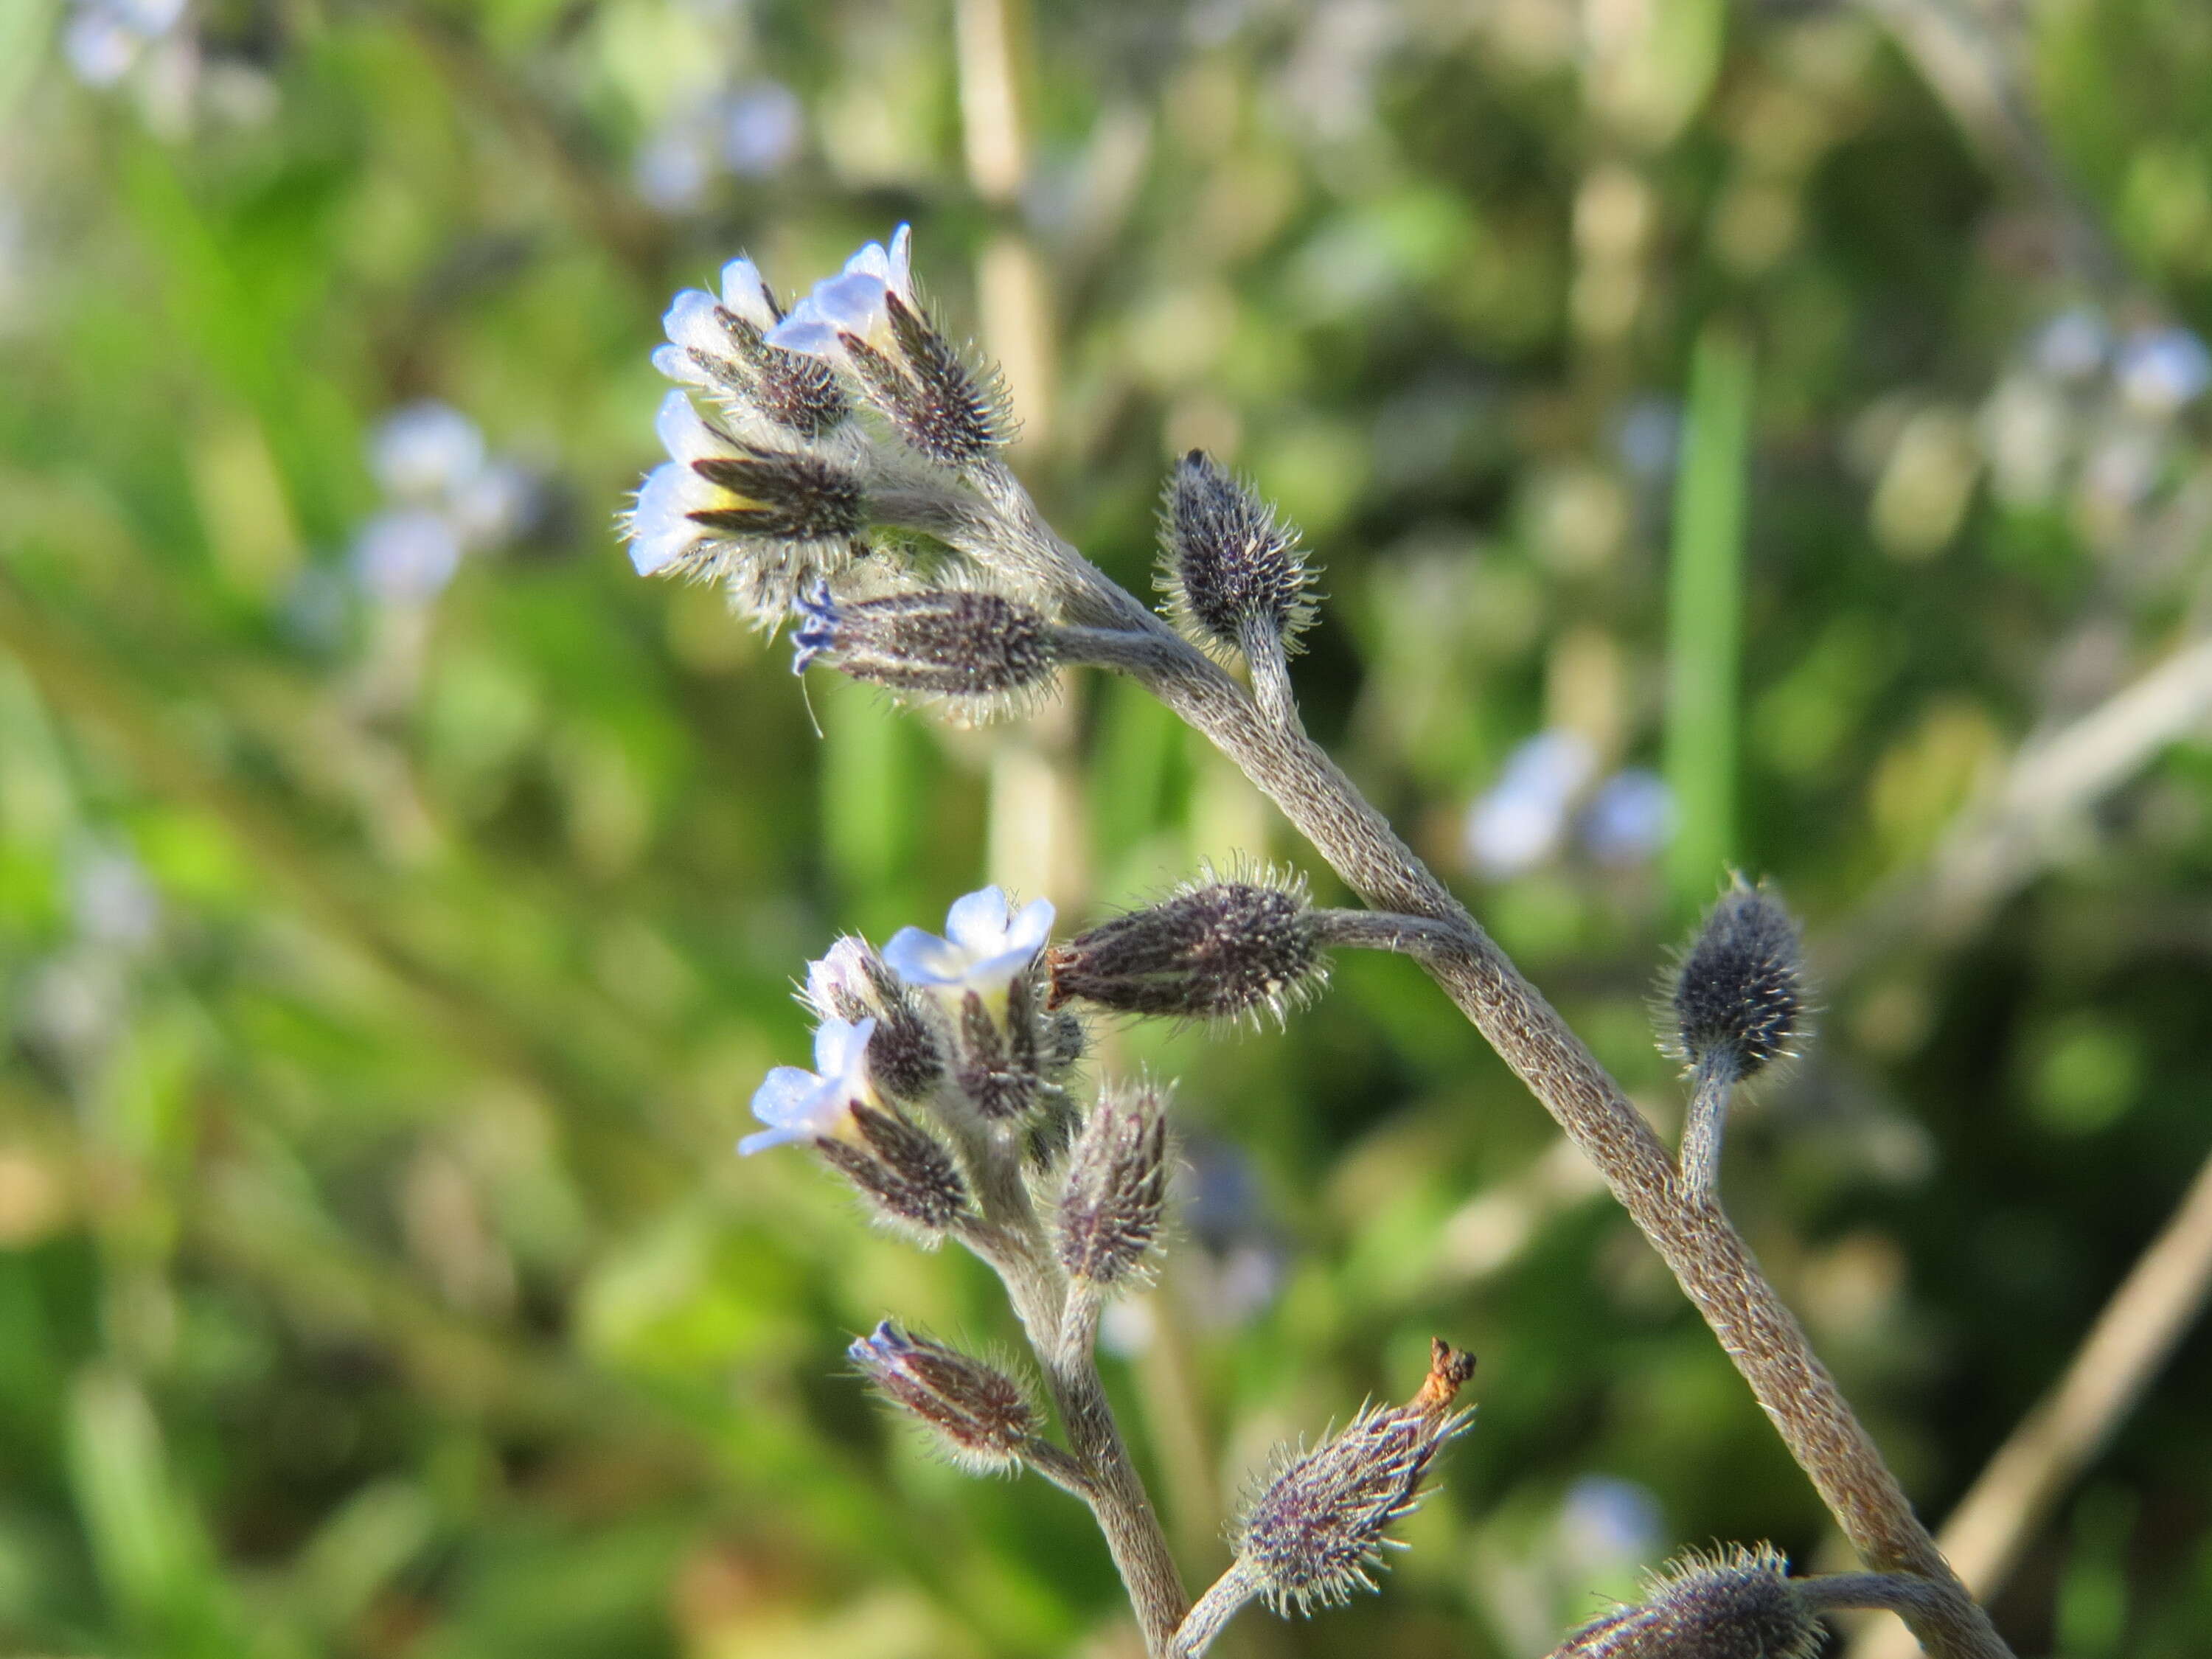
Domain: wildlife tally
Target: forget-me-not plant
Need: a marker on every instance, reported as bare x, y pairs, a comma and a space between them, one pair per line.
839, 465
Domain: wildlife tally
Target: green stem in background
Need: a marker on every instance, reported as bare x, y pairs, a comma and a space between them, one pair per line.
1705, 616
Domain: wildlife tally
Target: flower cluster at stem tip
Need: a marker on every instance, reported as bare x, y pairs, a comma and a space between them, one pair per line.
987, 944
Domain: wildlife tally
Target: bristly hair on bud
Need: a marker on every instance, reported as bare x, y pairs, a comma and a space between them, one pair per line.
1231, 566
978, 651
1738, 999
1218, 949
1314, 1531
984, 1419
1110, 1212
952, 414
906, 1057
907, 1174
1735, 1603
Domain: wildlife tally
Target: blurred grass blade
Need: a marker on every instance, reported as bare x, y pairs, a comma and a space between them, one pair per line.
1705, 620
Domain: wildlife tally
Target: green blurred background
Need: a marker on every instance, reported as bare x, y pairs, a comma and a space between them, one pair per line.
399, 899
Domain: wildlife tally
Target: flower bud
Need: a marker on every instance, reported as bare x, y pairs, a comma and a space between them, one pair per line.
1231, 566
953, 643
946, 410
1117, 1178
1739, 996
996, 1067
852, 982
982, 1416
777, 495
1314, 1532
903, 1169
1220, 950
1734, 1605
720, 345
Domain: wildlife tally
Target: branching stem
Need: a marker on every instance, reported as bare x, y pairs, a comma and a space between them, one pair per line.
1706, 1256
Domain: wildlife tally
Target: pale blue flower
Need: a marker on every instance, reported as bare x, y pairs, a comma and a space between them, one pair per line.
855, 302
799, 1105
840, 976
987, 946
659, 528
1608, 1525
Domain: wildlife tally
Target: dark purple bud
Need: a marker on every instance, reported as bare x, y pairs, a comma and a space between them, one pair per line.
1221, 951
953, 643
1230, 565
851, 981
1110, 1211
983, 1417
1738, 997
1734, 1605
1314, 1532
902, 1168
783, 496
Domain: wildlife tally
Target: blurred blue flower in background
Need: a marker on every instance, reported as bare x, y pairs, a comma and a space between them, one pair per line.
2161, 371
449, 496
2073, 345
1518, 822
106, 38
1608, 1525
751, 132
1629, 819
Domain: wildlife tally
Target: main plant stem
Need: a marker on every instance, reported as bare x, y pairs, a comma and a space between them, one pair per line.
1119, 1503
1760, 1335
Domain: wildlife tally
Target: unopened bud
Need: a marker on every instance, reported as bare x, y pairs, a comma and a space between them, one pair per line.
944, 409
851, 981
996, 1067
1314, 1532
1734, 1605
1223, 949
1117, 1177
779, 495
1739, 996
1231, 566
953, 643
983, 1417
903, 1171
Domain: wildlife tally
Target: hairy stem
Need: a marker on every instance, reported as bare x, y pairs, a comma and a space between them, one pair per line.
1712, 1084
1228, 1596
1707, 1257
1111, 1486
1901, 1593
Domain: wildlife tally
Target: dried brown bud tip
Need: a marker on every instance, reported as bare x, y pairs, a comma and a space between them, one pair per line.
983, 1416
1738, 997
951, 643
1314, 1532
1735, 1605
1110, 1211
1450, 1370
1220, 950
